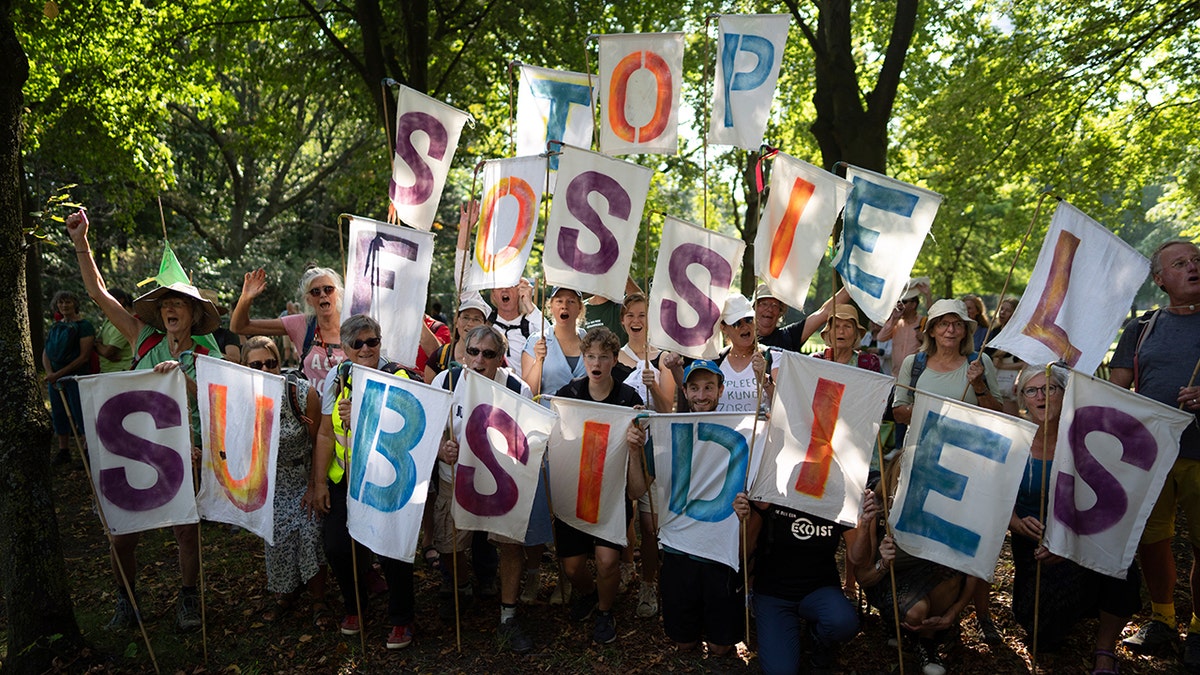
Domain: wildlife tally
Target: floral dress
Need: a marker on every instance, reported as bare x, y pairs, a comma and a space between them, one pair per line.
297, 554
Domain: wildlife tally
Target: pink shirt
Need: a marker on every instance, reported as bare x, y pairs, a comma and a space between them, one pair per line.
324, 354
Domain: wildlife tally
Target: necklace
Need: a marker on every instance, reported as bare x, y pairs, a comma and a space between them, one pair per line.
742, 356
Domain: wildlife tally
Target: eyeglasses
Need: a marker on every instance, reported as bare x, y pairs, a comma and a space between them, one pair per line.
318, 291
951, 325
912, 300
1184, 262
369, 342
1045, 390
488, 354
271, 364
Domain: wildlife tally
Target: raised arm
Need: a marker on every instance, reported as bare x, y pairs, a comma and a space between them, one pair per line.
240, 322
128, 324
817, 319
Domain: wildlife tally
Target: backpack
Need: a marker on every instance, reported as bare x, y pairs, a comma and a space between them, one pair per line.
494, 317
920, 361
152, 341
61, 342
1145, 324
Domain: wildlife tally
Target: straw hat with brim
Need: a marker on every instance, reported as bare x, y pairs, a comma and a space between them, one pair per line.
211, 296
737, 307
847, 313
146, 308
949, 306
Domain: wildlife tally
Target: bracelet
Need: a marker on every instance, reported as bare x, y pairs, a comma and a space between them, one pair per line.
981, 394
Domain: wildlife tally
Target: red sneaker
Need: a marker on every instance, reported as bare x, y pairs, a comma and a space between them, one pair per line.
400, 637
350, 625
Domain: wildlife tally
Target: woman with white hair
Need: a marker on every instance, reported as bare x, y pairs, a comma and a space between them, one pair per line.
1069, 592
314, 333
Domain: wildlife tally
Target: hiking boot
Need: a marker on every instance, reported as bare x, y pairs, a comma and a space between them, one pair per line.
1150, 637
510, 636
350, 625
562, 592
605, 629
124, 615
187, 613
533, 584
927, 654
991, 634
582, 606
1191, 652
400, 637
647, 600
626, 577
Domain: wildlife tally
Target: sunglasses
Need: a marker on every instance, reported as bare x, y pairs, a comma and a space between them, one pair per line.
271, 364
369, 342
318, 291
912, 300
742, 322
488, 354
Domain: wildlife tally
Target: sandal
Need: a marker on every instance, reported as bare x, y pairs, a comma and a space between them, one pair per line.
284, 603
1116, 669
322, 615
432, 558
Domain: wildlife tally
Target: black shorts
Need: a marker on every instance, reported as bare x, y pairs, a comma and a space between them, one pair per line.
701, 600
570, 542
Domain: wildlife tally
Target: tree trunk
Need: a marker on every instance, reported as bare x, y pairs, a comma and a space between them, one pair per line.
32, 571
750, 225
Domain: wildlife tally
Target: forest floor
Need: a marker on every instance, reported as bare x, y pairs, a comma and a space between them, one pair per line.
239, 641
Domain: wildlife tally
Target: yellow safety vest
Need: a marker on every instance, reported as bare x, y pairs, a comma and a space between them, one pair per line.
341, 435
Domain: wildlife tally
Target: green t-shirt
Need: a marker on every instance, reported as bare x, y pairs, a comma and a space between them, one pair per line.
109, 335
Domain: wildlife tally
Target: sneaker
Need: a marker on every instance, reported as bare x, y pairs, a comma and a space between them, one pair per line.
510, 636
123, 615
1191, 652
647, 600
350, 625
991, 634
400, 637
605, 629
533, 584
582, 606
626, 577
1152, 635
927, 653
562, 592
187, 612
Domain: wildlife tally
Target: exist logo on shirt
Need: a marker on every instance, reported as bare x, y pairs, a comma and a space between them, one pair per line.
803, 529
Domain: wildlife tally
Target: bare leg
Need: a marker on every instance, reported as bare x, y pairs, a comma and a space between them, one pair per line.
124, 557
649, 547
608, 575
188, 538
512, 563
577, 573
1158, 569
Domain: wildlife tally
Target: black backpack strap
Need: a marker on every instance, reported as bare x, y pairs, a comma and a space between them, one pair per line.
310, 336
920, 360
1145, 324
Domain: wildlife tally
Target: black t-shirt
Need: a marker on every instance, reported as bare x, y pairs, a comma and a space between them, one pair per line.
621, 394
796, 554
785, 337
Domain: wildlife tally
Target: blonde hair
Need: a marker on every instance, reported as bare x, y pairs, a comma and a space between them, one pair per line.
259, 342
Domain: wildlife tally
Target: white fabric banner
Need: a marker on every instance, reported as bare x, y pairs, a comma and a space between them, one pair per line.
588, 458
641, 77
883, 228
820, 444
700, 464
1114, 451
554, 105
394, 439
501, 442
802, 207
749, 55
140, 448
692, 276
594, 222
239, 422
508, 221
387, 277
427, 134
1061, 316
962, 466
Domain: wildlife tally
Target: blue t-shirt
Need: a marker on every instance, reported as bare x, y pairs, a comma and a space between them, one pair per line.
1164, 364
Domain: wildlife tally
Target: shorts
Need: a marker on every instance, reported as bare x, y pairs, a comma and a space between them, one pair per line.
444, 533
1182, 488
644, 503
701, 600
570, 542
